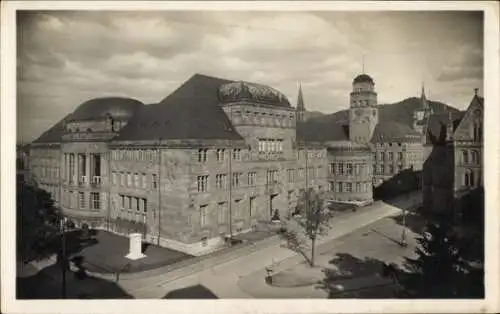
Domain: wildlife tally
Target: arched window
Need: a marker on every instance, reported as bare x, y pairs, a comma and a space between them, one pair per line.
469, 178
465, 156
475, 157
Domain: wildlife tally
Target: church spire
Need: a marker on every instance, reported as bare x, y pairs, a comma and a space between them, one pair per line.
300, 109
300, 99
423, 99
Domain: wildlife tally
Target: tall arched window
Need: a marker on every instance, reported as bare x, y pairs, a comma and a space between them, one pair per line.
469, 178
465, 156
475, 157
477, 128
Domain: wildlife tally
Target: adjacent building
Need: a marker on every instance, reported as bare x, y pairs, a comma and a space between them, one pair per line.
454, 146
216, 157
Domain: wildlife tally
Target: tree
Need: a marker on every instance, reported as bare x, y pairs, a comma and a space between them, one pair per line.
310, 219
37, 223
443, 267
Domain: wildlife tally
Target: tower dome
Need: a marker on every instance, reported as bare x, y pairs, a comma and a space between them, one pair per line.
363, 78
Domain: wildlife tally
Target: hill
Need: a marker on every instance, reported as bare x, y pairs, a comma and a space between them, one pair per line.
401, 112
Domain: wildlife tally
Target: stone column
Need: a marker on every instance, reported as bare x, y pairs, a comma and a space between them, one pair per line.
87, 168
135, 249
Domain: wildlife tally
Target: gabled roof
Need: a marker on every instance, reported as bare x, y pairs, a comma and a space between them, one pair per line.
437, 124
190, 112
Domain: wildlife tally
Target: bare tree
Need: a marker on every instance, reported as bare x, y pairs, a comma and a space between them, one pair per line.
310, 219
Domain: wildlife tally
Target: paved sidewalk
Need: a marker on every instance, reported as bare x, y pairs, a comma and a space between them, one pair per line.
223, 278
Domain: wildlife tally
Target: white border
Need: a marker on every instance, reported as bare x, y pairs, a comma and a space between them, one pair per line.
8, 140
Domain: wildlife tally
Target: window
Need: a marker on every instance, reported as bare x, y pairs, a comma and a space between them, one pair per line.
251, 205
220, 155
81, 196
381, 156
202, 155
291, 175
113, 178
358, 187
332, 168
144, 181
155, 182
136, 180
338, 187
220, 181
129, 202
122, 199
237, 154
465, 156
145, 205
95, 200
122, 179
252, 178
348, 187
380, 169
203, 215
391, 155
237, 208
202, 183
349, 169
301, 173
374, 156
475, 157
469, 178
222, 212
137, 203
272, 176
391, 169
400, 156
340, 169
331, 186
477, 132
129, 179
356, 169
237, 179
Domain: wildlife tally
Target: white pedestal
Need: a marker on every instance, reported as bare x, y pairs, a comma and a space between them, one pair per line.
135, 251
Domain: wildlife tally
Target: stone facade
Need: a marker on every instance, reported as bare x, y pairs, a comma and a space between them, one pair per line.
454, 151
188, 184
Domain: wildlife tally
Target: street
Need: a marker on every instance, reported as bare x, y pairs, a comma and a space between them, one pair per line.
224, 280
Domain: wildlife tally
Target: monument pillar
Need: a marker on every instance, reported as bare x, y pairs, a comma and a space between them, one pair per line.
135, 250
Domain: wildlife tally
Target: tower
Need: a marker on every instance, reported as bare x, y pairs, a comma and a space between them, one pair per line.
300, 110
421, 115
363, 111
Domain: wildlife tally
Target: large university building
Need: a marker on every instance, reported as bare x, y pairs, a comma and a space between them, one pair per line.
216, 157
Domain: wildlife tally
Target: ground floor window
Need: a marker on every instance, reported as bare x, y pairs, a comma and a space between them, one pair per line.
95, 200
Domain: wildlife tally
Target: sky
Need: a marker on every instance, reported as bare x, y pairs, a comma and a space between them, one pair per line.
67, 57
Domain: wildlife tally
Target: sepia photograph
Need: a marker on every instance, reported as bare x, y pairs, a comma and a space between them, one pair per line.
274, 154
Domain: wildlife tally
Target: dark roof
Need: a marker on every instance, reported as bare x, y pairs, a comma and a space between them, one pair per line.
437, 124
190, 112
363, 78
390, 131
235, 92
54, 134
322, 131
117, 107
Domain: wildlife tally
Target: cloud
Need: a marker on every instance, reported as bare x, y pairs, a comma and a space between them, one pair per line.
67, 57
466, 64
